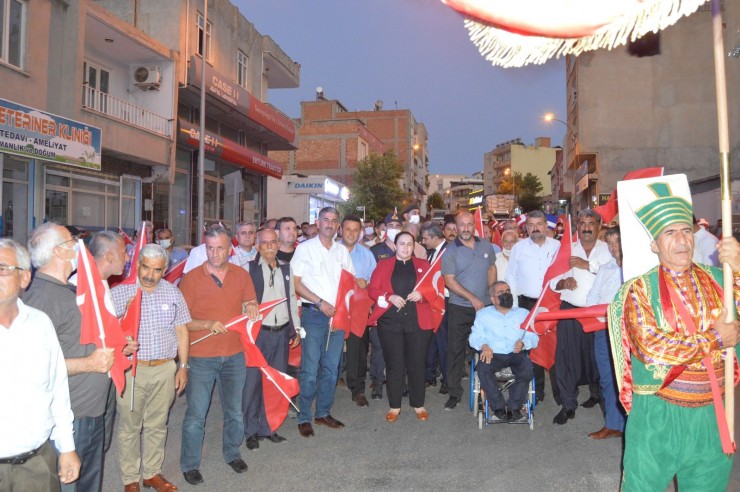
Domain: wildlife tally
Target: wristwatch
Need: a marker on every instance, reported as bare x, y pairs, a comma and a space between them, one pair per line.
318, 304
184, 366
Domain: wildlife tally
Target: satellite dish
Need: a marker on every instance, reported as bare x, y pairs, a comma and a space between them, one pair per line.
378, 105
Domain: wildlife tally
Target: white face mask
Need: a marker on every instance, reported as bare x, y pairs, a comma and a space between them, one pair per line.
507, 252
392, 233
369, 231
414, 219
165, 243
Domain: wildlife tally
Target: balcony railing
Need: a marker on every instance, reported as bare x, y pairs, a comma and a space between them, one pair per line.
122, 110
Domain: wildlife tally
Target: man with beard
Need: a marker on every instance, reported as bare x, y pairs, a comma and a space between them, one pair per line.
574, 356
497, 334
450, 229
469, 268
529, 260
287, 230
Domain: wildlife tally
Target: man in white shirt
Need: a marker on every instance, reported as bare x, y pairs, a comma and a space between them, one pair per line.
508, 240
317, 267
575, 363
705, 246
525, 272
32, 369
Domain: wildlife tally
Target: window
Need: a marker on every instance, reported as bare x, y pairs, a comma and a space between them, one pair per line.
362, 150
12, 31
241, 69
96, 80
204, 37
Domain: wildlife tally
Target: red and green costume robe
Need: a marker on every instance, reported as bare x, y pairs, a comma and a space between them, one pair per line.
672, 428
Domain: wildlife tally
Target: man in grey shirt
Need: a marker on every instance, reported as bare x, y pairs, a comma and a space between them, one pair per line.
54, 254
468, 267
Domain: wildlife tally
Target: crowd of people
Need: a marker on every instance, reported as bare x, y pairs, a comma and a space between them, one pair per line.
58, 427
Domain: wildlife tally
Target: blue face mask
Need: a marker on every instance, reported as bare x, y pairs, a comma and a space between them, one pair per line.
76, 249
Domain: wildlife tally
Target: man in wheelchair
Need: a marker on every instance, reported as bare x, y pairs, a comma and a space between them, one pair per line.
502, 343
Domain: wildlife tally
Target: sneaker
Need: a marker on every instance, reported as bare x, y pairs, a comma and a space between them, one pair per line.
517, 416
451, 403
443, 389
377, 391
498, 416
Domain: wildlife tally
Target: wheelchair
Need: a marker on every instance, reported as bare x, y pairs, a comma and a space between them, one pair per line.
505, 378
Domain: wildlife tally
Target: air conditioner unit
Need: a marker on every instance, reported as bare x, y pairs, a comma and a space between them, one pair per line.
147, 78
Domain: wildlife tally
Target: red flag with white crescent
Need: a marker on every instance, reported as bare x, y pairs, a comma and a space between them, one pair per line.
174, 275
133, 272
343, 303
99, 326
432, 288
478, 219
130, 323
611, 207
126, 238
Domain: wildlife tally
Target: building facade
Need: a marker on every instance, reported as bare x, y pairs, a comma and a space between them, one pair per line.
514, 156
653, 104
241, 65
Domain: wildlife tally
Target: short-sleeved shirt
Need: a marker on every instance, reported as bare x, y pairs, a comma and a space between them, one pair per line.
176, 256
470, 268
207, 300
363, 261
161, 312
320, 268
88, 390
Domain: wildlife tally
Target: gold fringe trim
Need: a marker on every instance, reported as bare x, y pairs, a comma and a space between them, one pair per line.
506, 49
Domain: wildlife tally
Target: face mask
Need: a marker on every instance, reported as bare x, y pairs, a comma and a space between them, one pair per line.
392, 233
507, 252
506, 299
165, 243
76, 249
414, 219
369, 231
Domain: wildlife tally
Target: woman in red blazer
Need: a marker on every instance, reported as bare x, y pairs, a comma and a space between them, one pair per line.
404, 324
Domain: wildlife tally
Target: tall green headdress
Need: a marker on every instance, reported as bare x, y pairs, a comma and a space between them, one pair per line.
664, 210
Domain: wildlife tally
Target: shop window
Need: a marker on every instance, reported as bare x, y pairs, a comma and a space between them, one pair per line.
13, 20
204, 37
14, 216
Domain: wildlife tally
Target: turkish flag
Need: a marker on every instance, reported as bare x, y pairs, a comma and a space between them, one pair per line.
130, 325
496, 235
343, 303
432, 288
133, 272
593, 318
100, 325
359, 311
611, 208
478, 216
277, 387
174, 275
126, 238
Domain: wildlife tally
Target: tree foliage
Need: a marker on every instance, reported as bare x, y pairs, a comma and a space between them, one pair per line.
375, 186
526, 188
435, 200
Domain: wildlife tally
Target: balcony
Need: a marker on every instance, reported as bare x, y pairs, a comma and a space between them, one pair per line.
113, 107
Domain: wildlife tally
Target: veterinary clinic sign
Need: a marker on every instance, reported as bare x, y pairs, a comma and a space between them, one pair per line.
29, 132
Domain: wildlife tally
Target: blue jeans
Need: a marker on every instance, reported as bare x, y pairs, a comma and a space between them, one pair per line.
89, 435
319, 365
229, 373
613, 413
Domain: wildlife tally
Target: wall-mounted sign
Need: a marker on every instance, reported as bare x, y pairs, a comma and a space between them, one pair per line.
318, 185
475, 200
30, 132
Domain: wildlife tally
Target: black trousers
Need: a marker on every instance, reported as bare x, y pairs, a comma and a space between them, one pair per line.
574, 359
356, 362
539, 371
405, 353
521, 367
459, 323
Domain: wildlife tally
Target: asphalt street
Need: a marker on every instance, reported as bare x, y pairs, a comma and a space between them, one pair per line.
447, 452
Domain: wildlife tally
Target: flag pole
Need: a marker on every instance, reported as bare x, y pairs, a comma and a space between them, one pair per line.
269, 378
726, 203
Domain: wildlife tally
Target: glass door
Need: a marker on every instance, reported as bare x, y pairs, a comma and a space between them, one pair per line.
15, 198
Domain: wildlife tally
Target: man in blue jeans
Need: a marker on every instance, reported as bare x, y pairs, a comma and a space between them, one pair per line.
317, 266
215, 292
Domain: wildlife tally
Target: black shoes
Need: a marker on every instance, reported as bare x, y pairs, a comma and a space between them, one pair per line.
498, 416
451, 403
238, 465
253, 442
431, 382
563, 416
193, 477
517, 416
443, 389
276, 438
377, 390
590, 403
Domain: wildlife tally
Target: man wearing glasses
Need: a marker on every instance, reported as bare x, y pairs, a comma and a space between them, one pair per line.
273, 279
32, 370
144, 405
54, 254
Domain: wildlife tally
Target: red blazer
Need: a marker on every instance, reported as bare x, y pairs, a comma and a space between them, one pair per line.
380, 284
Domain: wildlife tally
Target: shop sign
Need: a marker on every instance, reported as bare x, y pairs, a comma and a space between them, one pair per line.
475, 200
33, 133
317, 186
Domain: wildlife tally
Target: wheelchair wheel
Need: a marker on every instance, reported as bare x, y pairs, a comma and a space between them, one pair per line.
480, 419
474, 386
532, 394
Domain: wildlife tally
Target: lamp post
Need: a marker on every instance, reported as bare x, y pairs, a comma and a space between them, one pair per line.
550, 117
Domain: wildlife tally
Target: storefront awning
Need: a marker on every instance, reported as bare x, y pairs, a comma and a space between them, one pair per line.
189, 134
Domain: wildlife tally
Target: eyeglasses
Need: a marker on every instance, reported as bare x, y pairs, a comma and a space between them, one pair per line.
67, 241
7, 270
